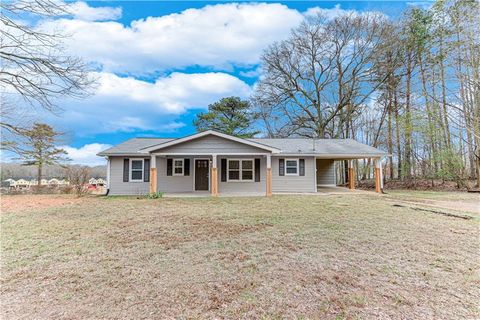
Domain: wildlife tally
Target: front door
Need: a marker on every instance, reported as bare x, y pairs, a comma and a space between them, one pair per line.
201, 174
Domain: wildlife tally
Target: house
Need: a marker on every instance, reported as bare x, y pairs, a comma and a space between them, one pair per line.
92, 181
100, 183
222, 164
10, 183
53, 182
22, 184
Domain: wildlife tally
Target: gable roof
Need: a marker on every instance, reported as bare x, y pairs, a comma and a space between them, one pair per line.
321, 148
213, 133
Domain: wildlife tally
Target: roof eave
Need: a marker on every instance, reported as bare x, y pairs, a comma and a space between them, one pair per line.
210, 132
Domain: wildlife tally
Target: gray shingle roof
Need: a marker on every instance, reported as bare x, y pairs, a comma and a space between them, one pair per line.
321, 146
132, 146
333, 148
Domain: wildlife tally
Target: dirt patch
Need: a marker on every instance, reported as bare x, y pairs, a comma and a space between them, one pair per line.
15, 203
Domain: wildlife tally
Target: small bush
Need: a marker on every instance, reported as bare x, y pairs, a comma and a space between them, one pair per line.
155, 195
78, 177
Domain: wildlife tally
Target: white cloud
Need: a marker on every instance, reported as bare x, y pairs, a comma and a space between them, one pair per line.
82, 11
128, 104
336, 11
86, 155
425, 5
216, 36
173, 94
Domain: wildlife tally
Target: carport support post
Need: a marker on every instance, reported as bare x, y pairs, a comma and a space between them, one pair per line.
269, 176
378, 175
214, 177
351, 175
153, 174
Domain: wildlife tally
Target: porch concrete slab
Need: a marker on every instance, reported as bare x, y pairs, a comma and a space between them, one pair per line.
198, 194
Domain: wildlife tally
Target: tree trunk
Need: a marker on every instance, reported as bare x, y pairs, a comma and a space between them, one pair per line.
408, 121
39, 176
390, 135
399, 143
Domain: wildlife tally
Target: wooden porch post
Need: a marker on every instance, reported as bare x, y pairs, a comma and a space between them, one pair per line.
214, 177
351, 175
378, 176
269, 176
153, 174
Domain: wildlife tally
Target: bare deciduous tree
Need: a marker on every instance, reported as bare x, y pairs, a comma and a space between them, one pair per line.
315, 81
34, 66
78, 177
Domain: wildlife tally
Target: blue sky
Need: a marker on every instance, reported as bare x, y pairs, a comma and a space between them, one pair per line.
158, 64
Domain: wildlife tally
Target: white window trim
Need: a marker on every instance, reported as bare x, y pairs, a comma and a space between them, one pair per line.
240, 169
130, 171
298, 167
183, 167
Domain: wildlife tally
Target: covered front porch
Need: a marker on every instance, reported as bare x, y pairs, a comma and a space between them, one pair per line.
199, 174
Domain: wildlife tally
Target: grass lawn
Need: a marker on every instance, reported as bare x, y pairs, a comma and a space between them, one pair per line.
332, 257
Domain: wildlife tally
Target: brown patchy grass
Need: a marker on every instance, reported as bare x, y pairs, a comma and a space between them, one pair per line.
30, 202
331, 257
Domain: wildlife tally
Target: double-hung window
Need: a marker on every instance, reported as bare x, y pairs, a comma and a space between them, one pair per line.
136, 170
178, 167
291, 167
240, 169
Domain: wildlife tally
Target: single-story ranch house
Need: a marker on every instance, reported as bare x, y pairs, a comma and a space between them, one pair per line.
216, 163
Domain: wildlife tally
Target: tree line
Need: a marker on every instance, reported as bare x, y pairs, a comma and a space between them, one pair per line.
409, 86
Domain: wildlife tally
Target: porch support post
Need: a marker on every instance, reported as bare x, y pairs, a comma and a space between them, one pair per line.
214, 177
153, 174
351, 175
269, 176
378, 175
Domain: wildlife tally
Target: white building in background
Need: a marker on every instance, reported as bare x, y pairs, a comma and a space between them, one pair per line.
53, 182
22, 184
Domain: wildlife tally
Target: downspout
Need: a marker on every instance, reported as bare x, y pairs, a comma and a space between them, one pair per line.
108, 175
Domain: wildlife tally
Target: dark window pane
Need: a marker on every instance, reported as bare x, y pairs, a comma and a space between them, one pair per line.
179, 170
233, 175
247, 175
137, 175
178, 163
137, 164
248, 164
234, 164
291, 163
291, 170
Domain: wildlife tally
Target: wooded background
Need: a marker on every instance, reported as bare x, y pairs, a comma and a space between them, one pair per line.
410, 87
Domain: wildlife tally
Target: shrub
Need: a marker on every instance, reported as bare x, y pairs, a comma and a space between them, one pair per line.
155, 195
78, 178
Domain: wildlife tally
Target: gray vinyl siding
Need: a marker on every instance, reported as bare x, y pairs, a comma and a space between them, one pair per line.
174, 183
294, 183
211, 144
243, 187
325, 172
117, 186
